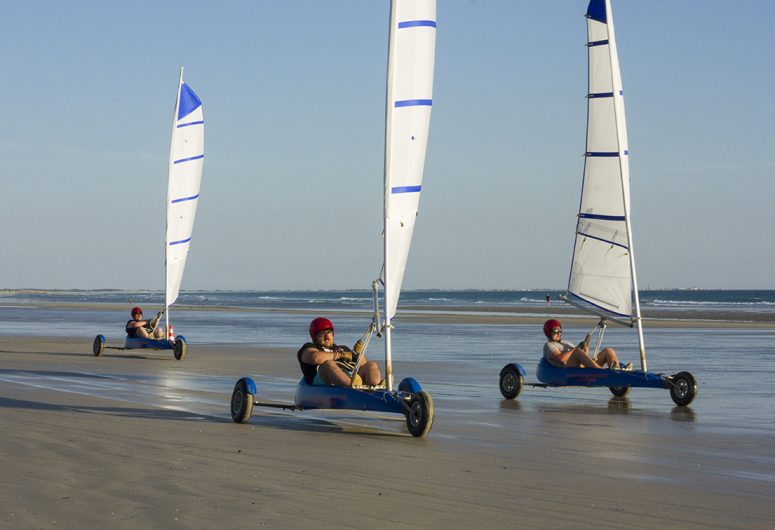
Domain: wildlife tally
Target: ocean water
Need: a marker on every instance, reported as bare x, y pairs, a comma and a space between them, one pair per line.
734, 367
672, 300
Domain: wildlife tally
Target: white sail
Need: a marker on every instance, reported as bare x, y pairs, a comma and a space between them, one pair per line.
185, 175
411, 57
602, 272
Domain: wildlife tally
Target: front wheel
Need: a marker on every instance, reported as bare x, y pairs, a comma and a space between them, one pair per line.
180, 348
419, 414
510, 382
683, 388
98, 346
241, 402
619, 391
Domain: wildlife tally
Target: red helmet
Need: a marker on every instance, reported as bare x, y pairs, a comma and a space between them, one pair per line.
549, 325
318, 325
136, 310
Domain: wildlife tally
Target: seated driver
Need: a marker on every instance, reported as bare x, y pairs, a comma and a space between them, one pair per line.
139, 328
324, 363
563, 354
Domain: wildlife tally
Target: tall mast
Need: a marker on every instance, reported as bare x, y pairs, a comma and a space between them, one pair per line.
625, 174
386, 230
169, 198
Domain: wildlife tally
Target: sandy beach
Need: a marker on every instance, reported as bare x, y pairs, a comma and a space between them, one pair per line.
144, 441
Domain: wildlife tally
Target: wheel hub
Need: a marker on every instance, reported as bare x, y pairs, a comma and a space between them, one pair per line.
509, 382
415, 413
236, 401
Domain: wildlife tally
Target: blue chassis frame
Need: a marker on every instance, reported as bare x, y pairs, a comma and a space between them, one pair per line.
132, 343
594, 377
310, 397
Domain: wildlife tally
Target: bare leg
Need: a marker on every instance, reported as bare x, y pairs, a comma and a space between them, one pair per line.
608, 357
369, 372
141, 333
333, 375
580, 358
158, 333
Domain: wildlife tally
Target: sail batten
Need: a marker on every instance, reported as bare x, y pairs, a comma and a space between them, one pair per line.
183, 183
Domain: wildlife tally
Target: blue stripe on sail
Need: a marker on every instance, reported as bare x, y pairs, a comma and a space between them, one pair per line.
188, 102
191, 123
184, 199
180, 242
599, 307
413, 103
406, 189
597, 43
416, 23
596, 10
188, 159
601, 95
603, 153
601, 217
582, 234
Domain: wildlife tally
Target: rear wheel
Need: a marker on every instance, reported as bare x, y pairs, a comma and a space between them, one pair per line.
419, 414
180, 348
98, 346
510, 382
241, 402
619, 391
683, 388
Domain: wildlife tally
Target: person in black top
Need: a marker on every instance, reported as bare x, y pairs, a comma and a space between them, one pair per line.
139, 328
325, 363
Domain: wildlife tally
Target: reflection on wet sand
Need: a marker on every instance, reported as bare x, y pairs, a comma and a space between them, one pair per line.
682, 414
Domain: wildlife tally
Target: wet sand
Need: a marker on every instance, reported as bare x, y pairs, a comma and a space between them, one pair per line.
133, 440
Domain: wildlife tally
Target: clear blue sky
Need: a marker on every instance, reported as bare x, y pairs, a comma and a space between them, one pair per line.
293, 96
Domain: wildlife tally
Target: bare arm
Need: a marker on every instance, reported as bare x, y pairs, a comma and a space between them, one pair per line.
579, 355
317, 357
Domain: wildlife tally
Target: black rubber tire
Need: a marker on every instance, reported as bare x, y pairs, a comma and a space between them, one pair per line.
419, 414
510, 382
683, 388
98, 346
241, 402
180, 349
619, 391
